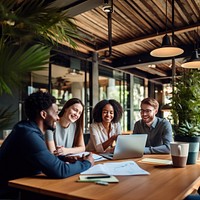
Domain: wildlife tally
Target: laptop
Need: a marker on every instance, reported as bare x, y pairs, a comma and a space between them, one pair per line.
128, 146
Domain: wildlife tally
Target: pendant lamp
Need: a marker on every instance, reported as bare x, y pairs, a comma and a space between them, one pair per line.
194, 61
166, 49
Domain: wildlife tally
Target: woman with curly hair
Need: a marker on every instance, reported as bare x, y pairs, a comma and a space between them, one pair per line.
105, 127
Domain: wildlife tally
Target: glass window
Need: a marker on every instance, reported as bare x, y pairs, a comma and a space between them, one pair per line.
138, 96
114, 85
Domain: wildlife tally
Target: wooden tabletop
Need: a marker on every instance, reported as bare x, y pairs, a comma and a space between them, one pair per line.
164, 182
1, 141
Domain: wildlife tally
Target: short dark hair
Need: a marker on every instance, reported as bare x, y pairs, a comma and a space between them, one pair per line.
36, 102
97, 111
151, 101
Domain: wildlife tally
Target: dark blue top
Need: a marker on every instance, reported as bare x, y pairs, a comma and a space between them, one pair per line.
24, 153
159, 135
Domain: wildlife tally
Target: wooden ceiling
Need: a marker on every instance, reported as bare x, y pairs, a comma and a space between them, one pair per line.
135, 28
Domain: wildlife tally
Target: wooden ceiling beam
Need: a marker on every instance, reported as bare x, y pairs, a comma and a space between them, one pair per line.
146, 58
150, 37
75, 7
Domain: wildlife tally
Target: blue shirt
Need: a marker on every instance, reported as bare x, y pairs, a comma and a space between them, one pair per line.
24, 153
159, 135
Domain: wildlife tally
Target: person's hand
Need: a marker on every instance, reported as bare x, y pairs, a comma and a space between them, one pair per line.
114, 137
110, 150
59, 151
72, 159
90, 158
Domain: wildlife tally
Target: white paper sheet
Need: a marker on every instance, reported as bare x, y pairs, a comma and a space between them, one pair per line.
117, 168
95, 156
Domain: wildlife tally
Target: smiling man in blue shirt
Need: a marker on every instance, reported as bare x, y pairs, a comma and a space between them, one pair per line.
159, 130
24, 152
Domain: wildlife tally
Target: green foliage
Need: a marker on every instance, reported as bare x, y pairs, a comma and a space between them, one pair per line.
186, 104
28, 32
16, 62
5, 114
35, 20
189, 129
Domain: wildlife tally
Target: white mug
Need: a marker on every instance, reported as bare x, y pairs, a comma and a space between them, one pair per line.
179, 153
6, 133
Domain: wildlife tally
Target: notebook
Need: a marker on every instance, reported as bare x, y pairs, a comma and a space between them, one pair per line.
128, 146
109, 179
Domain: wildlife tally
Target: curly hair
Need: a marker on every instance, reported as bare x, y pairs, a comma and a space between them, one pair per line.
97, 111
36, 102
79, 122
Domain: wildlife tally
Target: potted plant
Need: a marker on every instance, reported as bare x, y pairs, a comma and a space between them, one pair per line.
186, 111
29, 30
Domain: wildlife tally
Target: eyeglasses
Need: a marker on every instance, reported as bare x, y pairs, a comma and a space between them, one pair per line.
146, 111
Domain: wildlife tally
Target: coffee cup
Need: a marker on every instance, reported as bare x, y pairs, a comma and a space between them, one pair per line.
179, 153
6, 133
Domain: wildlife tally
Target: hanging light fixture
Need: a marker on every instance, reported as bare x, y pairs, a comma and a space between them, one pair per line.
107, 6
166, 49
194, 61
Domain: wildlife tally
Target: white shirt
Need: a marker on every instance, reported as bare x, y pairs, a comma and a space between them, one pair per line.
98, 135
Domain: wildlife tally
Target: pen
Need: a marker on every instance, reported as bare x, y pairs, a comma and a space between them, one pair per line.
95, 177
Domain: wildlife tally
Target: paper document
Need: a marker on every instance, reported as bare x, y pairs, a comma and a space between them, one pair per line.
98, 157
156, 161
111, 179
85, 153
117, 168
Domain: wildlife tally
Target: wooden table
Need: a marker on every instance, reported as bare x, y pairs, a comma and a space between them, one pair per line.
1, 141
164, 182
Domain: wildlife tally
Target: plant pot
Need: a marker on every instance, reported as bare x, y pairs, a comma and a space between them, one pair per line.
193, 147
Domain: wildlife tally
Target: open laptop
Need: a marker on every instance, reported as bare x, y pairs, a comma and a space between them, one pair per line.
128, 146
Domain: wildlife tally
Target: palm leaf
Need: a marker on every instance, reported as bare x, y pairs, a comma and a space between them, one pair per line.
16, 62
24, 24
33, 20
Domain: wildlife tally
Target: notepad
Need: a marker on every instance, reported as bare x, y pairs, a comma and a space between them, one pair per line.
156, 161
111, 179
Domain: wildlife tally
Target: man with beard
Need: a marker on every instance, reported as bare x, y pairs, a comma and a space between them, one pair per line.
24, 151
159, 130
